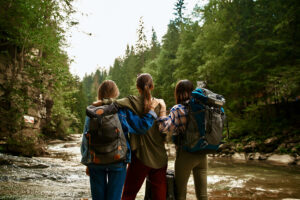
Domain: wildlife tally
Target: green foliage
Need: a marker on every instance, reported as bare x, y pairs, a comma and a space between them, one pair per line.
297, 148
89, 89
27, 143
239, 147
141, 44
36, 69
137, 59
68, 111
246, 50
189, 54
165, 62
283, 150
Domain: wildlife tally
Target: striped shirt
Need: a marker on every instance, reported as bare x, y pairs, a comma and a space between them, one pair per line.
175, 122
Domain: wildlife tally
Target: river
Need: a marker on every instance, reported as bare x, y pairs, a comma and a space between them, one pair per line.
59, 175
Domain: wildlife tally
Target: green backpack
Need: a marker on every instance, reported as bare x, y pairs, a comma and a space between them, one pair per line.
106, 140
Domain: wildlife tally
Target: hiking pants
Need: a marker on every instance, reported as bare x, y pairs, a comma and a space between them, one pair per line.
107, 181
185, 163
136, 174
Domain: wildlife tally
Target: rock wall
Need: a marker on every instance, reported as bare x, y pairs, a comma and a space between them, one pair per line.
24, 107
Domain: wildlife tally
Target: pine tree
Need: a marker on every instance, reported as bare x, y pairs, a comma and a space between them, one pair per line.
154, 46
141, 43
165, 82
179, 7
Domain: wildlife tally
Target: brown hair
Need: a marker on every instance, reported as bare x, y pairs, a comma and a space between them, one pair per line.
108, 89
183, 91
145, 83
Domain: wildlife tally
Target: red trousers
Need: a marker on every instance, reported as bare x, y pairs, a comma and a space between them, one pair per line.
136, 174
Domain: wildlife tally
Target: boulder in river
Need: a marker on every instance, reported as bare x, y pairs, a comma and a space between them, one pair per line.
239, 156
33, 166
283, 159
70, 145
253, 156
262, 157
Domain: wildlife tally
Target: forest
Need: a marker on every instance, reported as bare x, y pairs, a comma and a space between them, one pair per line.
246, 50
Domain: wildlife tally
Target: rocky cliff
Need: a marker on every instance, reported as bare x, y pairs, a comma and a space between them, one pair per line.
25, 108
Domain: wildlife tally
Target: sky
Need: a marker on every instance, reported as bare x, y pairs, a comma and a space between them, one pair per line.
113, 25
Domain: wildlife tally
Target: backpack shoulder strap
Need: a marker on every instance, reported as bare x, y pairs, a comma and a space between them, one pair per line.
180, 137
91, 111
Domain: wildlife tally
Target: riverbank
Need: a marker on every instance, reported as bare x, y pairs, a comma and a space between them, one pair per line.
228, 151
59, 175
274, 149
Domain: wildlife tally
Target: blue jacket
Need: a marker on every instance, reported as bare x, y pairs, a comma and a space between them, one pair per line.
131, 123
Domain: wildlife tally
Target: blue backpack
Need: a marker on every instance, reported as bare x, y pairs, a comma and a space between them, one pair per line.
205, 122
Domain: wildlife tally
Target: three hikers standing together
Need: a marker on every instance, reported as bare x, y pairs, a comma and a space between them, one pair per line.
144, 124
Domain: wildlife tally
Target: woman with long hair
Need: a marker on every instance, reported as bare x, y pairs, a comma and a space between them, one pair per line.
185, 161
149, 157
149, 154
107, 180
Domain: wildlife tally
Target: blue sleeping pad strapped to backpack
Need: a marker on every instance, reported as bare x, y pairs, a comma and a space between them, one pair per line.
205, 122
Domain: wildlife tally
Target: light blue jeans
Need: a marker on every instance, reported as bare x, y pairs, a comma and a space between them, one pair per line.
107, 181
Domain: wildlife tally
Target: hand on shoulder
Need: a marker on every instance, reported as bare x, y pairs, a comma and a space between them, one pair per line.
163, 108
97, 103
162, 104
153, 104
